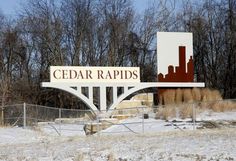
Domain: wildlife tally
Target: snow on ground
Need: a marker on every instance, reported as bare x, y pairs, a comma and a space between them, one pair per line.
139, 125
17, 135
188, 145
56, 129
161, 141
209, 115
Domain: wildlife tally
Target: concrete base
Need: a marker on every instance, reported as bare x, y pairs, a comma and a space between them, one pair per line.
110, 121
94, 127
121, 117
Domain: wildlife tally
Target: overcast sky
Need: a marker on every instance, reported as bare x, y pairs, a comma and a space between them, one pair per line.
8, 7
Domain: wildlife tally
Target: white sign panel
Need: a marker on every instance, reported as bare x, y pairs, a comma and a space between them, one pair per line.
168, 44
69, 74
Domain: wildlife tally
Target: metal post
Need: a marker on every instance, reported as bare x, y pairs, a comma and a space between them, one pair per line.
2, 115
194, 116
24, 115
59, 112
142, 120
98, 128
37, 113
59, 120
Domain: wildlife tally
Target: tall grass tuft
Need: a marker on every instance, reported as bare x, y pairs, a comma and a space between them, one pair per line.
179, 96
161, 99
169, 97
187, 95
111, 157
206, 95
222, 106
79, 157
207, 100
166, 112
196, 92
216, 95
185, 111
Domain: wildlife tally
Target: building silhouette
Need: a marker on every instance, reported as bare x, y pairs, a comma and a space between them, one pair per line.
180, 74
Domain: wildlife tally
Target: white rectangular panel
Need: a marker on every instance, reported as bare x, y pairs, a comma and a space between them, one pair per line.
69, 74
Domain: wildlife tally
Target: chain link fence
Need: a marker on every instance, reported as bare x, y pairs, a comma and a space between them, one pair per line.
29, 114
128, 120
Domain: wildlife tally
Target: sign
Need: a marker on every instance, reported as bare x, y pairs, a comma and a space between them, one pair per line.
175, 57
175, 70
69, 74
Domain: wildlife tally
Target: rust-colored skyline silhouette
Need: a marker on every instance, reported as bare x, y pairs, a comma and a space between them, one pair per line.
180, 74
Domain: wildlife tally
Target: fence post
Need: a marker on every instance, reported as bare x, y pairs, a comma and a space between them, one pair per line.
59, 120
2, 115
142, 120
59, 113
194, 116
24, 115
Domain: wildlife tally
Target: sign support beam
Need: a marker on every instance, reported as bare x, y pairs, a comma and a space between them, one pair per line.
116, 99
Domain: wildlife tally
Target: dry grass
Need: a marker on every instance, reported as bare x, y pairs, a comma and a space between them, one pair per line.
207, 98
181, 111
187, 95
206, 95
111, 157
216, 95
161, 102
205, 105
79, 157
166, 112
218, 107
178, 96
196, 92
186, 111
222, 106
169, 97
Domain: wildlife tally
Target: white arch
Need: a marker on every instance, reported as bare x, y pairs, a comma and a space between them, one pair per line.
74, 92
130, 91
140, 86
135, 87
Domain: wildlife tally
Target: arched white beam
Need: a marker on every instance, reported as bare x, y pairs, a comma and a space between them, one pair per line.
135, 87
72, 91
140, 86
